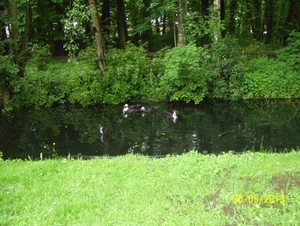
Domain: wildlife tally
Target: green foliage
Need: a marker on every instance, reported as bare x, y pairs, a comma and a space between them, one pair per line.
226, 68
83, 84
8, 72
75, 27
185, 77
269, 78
40, 56
159, 42
290, 54
128, 75
38, 88
74, 82
197, 26
275, 78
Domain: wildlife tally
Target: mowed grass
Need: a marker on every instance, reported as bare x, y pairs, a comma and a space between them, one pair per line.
190, 189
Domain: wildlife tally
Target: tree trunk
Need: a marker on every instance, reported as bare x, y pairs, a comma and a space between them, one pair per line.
205, 13
222, 16
19, 48
121, 21
14, 28
257, 28
180, 19
232, 7
105, 20
25, 40
269, 20
217, 8
164, 25
98, 33
147, 33
3, 33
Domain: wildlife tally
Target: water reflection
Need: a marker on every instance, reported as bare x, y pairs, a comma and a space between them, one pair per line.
214, 127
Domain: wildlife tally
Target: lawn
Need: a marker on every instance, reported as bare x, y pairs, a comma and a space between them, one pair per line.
191, 189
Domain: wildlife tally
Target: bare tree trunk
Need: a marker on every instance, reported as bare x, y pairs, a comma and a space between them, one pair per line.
174, 30
121, 20
26, 37
232, 8
105, 20
217, 8
257, 28
14, 28
180, 18
98, 33
147, 33
18, 46
269, 20
222, 16
205, 13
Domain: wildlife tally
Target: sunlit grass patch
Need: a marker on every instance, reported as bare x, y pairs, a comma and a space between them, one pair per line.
190, 189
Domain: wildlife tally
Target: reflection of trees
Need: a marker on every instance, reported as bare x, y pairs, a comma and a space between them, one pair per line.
215, 126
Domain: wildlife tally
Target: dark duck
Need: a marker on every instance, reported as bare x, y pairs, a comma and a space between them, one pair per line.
148, 110
134, 106
128, 110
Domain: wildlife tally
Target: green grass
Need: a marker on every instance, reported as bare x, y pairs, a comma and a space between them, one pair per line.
191, 189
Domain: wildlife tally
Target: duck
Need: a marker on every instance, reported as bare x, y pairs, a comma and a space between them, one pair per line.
134, 106
172, 116
148, 110
127, 110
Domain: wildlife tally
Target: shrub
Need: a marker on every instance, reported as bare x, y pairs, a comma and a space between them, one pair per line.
83, 83
290, 54
74, 81
8, 73
269, 78
226, 68
128, 75
185, 77
40, 56
37, 88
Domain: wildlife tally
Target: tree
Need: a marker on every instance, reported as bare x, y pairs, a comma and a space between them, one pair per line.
98, 33
121, 22
269, 20
105, 17
232, 8
19, 40
217, 11
181, 14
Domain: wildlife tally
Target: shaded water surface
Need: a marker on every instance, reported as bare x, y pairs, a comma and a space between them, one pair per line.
213, 127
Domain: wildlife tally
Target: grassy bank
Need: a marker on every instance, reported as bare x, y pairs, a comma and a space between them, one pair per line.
192, 189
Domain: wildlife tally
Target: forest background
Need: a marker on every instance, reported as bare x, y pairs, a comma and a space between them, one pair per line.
108, 52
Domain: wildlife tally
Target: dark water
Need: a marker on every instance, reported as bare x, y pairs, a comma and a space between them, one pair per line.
215, 126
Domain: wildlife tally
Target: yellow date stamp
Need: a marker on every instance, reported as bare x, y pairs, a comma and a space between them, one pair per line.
258, 199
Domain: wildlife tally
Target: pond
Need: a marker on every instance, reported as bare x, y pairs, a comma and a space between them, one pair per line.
210, 127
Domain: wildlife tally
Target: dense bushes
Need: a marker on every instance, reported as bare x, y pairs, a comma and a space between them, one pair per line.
128, 75
226, 66
185, 76
274, 78
269, 78
60, 82
192, 73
